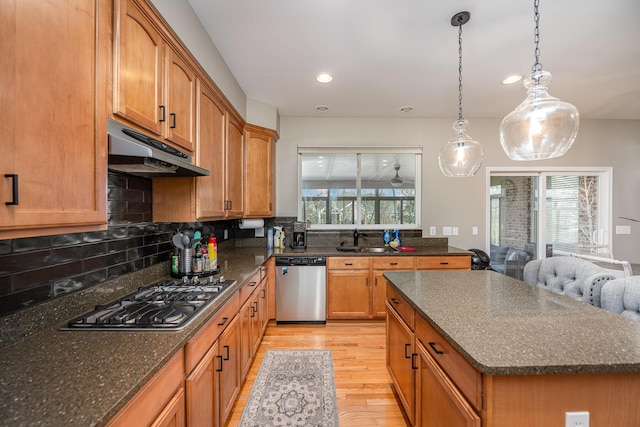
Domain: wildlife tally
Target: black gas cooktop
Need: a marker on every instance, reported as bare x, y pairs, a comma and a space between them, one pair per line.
164, 306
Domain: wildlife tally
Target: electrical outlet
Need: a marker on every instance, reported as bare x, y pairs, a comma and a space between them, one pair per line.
432, 231
576, 419
446, 231
474, 231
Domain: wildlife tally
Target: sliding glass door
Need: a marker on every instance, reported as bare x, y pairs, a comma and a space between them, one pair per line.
552, 211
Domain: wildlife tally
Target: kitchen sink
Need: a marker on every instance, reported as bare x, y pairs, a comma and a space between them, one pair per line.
348, 248
375, 250
362, 249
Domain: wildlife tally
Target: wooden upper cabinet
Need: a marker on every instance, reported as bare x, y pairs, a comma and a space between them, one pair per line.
154, 86
138, 68
259, 166
234, 185
180, 101
211, 149
53, 102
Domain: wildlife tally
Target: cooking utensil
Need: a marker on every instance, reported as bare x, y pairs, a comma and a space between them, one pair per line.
186, 241
177, 241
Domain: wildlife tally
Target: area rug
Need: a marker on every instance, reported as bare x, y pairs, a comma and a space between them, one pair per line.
293, 388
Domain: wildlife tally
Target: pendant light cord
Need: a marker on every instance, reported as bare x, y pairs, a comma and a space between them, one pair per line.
537, 66
460, 119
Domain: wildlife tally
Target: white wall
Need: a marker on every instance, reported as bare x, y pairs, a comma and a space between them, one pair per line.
184, 22
461, 202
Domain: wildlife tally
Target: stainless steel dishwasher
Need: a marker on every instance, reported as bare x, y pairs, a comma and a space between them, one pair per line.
301, 289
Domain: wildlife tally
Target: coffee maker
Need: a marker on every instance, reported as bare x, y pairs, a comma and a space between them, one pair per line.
299, 235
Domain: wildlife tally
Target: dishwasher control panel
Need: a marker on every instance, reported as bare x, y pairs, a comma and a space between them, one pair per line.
298, 260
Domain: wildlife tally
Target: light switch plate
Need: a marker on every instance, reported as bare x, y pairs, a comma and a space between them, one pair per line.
446, 231
474, 231
454, 231
623, 229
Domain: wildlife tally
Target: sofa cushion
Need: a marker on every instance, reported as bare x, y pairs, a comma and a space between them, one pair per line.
622, 296
574, 277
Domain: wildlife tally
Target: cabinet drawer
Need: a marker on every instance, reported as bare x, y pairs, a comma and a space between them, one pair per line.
393, 263
249, 286
198, 346
397, 301
347, 263
465, 377
443, 263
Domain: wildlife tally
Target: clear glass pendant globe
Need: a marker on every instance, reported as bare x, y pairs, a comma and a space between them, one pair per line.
541, 127
462, 156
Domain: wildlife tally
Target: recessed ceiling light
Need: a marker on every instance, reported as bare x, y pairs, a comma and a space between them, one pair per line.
324, 77
406, 109
322, 108
514, 78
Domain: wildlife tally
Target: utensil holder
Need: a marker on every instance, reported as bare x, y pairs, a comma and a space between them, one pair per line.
186, 259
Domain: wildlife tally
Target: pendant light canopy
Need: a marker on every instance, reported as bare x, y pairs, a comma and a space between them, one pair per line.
541, 127
461, 156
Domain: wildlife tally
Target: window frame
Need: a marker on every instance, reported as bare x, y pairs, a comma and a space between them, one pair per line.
415, 150
605, 199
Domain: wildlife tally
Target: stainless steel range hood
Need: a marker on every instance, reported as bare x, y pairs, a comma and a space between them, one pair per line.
135, 153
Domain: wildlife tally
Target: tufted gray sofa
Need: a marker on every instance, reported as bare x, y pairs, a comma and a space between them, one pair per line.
622, 296
574, 277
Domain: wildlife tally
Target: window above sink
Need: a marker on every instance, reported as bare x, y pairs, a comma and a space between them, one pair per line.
346, 187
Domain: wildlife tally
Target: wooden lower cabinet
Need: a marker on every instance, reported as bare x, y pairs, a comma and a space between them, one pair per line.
400, 360
228, 369
202, 391
158, 403
356, 287
173, 414
348, 294
438, 401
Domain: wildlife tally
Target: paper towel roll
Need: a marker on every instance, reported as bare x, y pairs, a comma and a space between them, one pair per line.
250, 224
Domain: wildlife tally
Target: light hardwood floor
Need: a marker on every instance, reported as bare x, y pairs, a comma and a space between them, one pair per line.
363, 386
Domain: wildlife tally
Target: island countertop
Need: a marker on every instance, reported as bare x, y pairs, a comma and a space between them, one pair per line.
503, 326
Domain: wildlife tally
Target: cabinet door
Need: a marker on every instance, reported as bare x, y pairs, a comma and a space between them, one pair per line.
246, 338
173, 413
210, 154
235, 169
202, 392
229, 374
400, 361
139, 71
53, 103
180, 101
259, 152
348, 294
379, 294
438, 402
264, 304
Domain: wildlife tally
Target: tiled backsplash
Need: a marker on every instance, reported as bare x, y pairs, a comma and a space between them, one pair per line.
37, 269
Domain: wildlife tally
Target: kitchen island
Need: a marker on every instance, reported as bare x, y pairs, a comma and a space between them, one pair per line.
504, 353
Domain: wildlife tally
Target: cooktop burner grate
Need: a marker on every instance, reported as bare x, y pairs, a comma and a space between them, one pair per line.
166, 305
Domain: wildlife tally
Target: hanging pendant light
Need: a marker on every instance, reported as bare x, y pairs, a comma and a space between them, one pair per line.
462, 156
541, 127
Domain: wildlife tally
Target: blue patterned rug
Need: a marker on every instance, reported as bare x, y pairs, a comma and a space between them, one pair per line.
293, 388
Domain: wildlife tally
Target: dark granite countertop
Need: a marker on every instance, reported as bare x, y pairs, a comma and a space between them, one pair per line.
505, 327
50, 377
83, 378
333, 251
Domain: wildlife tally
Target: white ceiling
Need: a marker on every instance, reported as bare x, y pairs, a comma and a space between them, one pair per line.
386, 54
